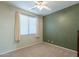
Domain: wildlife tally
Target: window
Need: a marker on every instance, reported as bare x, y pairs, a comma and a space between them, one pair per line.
32, 25
28, 25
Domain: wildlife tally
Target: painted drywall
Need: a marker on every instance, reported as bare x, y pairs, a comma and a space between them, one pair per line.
61, 27
7, 29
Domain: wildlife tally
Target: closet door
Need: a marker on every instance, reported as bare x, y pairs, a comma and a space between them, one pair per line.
78, 44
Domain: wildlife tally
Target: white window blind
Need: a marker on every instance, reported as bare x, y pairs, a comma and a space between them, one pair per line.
32, 25
28, 25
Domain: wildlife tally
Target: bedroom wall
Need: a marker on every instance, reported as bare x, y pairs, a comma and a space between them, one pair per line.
61, 27
7, 30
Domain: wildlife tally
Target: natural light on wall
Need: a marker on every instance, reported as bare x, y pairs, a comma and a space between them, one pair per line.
28, 25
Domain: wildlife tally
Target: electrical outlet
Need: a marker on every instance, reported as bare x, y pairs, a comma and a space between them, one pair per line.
51, 41
48, 40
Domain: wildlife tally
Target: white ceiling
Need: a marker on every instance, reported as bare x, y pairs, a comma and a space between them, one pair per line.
54, 5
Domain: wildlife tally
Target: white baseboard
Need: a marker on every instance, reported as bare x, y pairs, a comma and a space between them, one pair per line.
38, 43
19, 48
61, 47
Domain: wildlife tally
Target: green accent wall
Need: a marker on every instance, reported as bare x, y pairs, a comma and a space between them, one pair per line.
61, 27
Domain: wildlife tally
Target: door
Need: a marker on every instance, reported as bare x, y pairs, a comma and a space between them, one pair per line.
78, 44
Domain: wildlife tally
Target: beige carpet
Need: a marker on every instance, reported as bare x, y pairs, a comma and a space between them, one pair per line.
41, 50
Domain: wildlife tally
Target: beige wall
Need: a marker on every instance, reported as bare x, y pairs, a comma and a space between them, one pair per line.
7, 30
